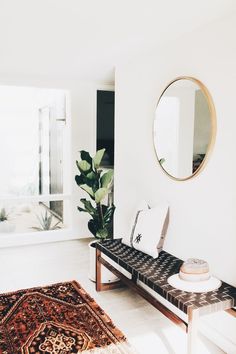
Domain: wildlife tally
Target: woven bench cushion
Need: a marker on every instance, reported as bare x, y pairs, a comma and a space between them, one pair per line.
154, 272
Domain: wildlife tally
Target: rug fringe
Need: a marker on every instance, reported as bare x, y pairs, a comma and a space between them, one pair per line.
119, 348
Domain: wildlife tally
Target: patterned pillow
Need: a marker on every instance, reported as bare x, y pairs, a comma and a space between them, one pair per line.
142, 205
150, 229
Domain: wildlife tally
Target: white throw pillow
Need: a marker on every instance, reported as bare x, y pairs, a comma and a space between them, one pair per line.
149, 234
142, 205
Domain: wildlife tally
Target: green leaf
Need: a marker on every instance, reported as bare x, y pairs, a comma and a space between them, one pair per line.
86, 156
79, 179
84, 166
77, 164
98, 157
102, 233
91, 175
81, 209
55, 227
91, 179
108, 215
87, 189
93, 227
100, 194
88, 206
36, 228
107, 178
161, 161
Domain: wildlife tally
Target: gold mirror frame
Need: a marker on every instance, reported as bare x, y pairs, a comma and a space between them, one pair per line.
213, 126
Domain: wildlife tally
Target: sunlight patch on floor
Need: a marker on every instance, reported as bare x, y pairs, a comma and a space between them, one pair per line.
167, 339
158, 342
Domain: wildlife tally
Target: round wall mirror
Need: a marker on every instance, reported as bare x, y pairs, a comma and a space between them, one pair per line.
184, 128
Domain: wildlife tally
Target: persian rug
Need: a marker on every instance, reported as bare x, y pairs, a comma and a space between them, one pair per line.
57, 319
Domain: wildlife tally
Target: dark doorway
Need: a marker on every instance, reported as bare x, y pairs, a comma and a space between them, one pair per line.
105, 125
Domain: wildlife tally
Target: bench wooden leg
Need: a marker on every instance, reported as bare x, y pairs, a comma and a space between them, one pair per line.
99, 285
193, 317
98, 271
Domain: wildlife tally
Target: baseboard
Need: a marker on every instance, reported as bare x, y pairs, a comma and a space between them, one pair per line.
32, 238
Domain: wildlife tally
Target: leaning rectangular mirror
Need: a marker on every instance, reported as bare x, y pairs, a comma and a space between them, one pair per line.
184, 128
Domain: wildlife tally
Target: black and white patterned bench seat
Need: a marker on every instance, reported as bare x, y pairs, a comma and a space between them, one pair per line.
154, 272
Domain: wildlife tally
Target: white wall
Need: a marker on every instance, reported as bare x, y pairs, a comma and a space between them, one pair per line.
202, 209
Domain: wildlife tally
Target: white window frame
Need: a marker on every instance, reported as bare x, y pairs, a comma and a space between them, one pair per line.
36, 237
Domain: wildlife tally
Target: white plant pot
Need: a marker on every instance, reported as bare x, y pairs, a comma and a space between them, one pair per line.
6, 226
107, 276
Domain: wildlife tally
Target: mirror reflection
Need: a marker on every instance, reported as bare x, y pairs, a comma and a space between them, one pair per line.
183, 127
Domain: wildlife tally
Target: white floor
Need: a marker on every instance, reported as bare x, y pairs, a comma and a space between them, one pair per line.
145, 327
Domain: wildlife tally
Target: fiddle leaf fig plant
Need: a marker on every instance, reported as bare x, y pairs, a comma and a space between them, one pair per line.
97, 184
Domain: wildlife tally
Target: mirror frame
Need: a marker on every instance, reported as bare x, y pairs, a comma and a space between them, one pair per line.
213, 126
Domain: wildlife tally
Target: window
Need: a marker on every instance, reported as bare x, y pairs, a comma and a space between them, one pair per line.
34, 135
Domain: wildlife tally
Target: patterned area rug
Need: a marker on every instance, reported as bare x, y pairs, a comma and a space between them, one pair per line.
57, 319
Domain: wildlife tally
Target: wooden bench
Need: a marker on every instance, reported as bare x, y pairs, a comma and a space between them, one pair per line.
154, 272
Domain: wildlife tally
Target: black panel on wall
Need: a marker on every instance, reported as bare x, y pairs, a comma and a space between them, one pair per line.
105, 125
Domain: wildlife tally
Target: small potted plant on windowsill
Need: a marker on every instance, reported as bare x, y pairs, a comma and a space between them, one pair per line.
97, 184
46, 223
5, 224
